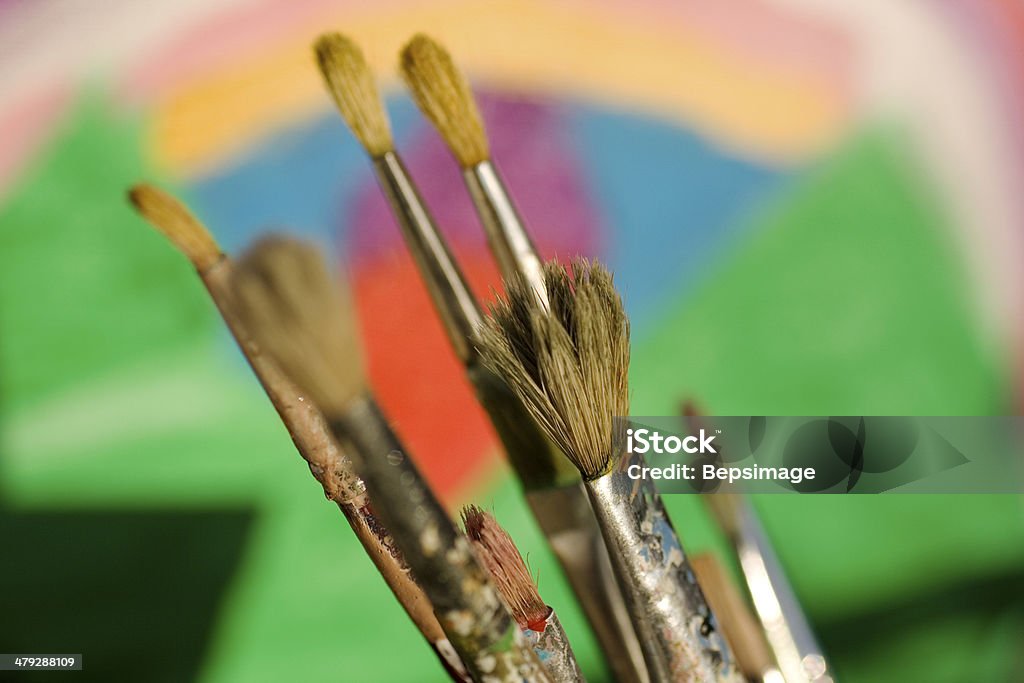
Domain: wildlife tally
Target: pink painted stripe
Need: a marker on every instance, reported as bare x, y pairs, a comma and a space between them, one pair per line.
231, 36
26, 126
997, 29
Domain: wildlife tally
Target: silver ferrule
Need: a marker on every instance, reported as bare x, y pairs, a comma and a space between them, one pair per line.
506, 234
452, 297
564, 515
799, 656
554, 651
678, 634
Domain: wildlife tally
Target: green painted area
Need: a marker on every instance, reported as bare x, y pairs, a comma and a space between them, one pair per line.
848, 301
127, 396
86, 285
122, 393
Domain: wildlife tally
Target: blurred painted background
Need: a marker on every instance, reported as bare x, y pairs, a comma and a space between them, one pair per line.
811, 207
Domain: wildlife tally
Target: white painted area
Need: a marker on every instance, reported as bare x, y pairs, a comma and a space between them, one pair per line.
915, 69
48, 42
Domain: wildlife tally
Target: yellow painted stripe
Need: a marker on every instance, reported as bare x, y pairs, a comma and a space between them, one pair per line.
530, 45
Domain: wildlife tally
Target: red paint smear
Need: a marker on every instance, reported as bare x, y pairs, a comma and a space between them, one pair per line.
539, 625
419, 382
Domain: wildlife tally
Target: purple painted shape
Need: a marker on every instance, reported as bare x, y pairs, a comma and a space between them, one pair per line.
533, 152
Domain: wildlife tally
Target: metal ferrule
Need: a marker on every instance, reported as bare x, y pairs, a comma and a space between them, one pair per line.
678, 634
567, 521
554, 652
508, 239
799, 656
452, 297
467, 605
556, 497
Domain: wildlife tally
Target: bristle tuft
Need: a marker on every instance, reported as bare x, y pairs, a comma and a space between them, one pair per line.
498, 553
351, 84
444, 96
302, 318
568, 363
173, 219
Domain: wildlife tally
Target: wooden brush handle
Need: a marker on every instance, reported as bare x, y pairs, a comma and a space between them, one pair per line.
738, 624
333, 469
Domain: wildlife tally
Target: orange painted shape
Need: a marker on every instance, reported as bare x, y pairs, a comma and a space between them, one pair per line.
419, 382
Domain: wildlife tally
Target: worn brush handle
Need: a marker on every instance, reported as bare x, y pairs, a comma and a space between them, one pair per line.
554, 651
678, 633
567, 521
333, 469
388, 560
466, 603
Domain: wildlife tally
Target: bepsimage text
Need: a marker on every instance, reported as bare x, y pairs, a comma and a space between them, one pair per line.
730, 475
644, 440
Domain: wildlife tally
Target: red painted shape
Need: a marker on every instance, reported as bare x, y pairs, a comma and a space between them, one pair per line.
418, 380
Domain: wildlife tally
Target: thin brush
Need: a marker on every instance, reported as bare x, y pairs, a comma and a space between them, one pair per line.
568, 363
351, 85
739, 626
551, 484
293, 308
561, 509
328, 464
800, 657
539, 623
444, 96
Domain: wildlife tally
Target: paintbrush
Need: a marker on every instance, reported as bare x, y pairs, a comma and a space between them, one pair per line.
351, 85
444, 96
561, 508
568, 363
289, 302
741, 630
328, 464
539, 623
799, 656
551, 484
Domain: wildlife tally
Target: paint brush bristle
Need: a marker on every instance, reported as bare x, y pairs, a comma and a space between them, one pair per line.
568, 363
173, 219
499, 555
302, 318
351, 84
444, 96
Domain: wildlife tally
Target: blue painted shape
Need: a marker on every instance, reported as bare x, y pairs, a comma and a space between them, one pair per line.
301, 180
672, 201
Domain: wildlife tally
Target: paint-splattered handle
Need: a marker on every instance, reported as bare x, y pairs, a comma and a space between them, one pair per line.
680, 639
554, 651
